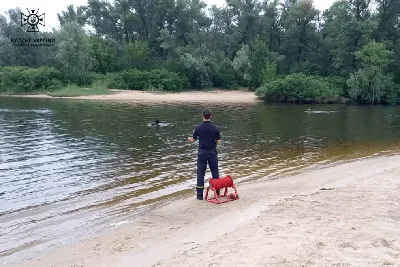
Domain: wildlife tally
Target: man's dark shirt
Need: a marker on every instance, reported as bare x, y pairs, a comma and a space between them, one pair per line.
208, 135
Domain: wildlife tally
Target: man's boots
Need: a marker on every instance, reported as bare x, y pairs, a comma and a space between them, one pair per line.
200, 193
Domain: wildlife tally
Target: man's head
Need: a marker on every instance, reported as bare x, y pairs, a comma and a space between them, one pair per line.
206, 114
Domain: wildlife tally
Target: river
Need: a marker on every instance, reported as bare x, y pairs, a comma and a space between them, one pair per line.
70, 169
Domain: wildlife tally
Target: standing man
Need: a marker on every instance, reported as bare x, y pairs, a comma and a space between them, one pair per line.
209, 136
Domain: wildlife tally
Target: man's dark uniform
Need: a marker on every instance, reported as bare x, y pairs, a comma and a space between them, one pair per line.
208, 134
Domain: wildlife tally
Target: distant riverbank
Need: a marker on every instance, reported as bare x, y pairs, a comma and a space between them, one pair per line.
215, 95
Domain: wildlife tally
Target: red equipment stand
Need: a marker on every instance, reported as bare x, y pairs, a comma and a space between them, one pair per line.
222, 183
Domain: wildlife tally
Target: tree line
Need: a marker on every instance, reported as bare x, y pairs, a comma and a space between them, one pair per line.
287, 51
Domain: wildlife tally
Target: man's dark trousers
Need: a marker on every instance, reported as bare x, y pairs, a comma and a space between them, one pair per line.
202, 160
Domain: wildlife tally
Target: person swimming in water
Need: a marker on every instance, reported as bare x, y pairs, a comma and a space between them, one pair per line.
155, 123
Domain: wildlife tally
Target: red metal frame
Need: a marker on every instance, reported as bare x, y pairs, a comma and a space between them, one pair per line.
225, 197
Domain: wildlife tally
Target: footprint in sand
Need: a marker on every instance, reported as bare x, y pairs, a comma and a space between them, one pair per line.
348, 245
387, 263
340, 264
382, 242
97, 247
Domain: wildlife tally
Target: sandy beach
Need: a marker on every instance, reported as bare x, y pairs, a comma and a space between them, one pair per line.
219, 96
289, 221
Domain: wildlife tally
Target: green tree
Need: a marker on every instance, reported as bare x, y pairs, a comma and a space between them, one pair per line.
347, 28
71, 15
388, 31
300, 40
242, 65
74, 53
196, 71
271, 30
105, 55
370, 84
262, 63
104, 18
387, 17
137, 55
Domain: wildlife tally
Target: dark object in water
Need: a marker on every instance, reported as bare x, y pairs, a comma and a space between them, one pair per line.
158, 123
2, 193
155, 123
326, 189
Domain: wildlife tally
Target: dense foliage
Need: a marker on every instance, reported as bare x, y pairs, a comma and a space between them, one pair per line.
300, 88
287, 49
26, 80
156, 80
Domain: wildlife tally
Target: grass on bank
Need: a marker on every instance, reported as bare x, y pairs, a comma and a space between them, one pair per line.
12, 93
72, 90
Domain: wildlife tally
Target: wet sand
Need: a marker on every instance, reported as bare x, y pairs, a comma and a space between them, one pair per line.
220, 96
288, 221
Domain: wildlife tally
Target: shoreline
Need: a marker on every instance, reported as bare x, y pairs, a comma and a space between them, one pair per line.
282, 222
136, 96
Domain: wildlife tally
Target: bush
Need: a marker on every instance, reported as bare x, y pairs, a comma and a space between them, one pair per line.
99, 85
396, 89
196, 71
391, 95
300, 88
19, 79
55, 85
370, 86
222, 74
339, 82
96, 77
162, 80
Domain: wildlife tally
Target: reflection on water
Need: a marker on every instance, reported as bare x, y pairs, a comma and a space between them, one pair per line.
69, 167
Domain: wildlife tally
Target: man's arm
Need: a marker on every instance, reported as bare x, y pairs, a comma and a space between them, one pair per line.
218, 137
194, 137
